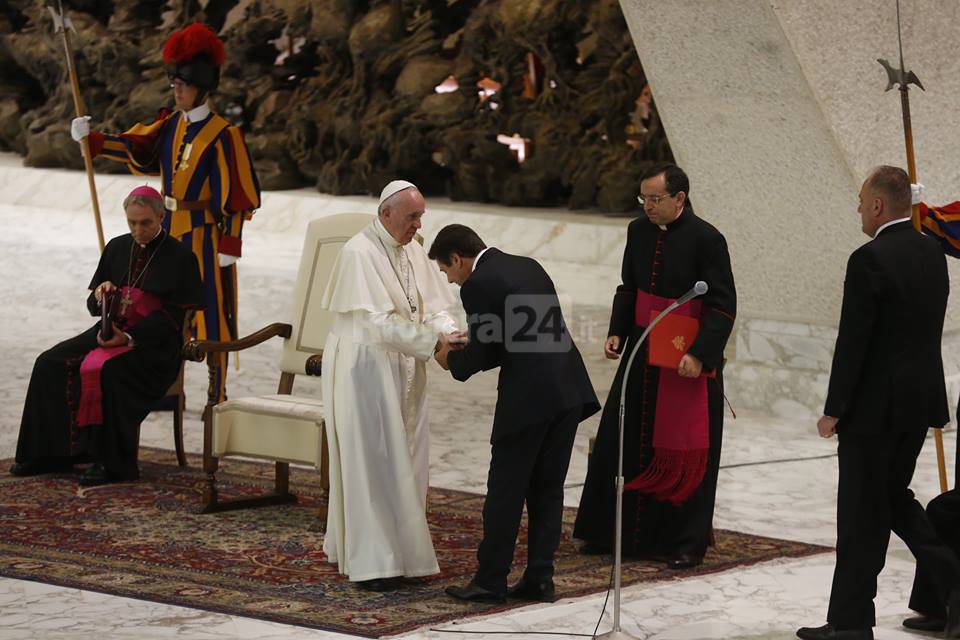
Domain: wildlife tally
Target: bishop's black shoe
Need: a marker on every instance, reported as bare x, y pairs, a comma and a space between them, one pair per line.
37, 467
98, 474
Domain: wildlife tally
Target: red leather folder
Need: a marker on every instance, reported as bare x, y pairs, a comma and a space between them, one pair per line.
670, 339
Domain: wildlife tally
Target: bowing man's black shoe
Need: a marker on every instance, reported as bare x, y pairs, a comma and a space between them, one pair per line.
539, 591
827, 632
684, 561
473, 592
924, 623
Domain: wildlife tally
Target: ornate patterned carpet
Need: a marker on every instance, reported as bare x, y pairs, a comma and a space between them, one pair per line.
146, 540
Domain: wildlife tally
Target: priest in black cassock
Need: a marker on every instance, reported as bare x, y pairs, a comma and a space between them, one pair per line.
87, 395
673, 423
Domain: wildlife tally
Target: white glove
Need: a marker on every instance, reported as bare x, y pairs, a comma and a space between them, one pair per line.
916, 193
80, 128
225, 260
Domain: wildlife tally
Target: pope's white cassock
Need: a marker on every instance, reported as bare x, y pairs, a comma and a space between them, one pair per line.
390, 303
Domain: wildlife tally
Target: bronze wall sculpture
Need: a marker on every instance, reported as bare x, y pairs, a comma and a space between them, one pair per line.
342, 94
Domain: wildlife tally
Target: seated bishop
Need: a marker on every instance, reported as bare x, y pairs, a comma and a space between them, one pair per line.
88, 395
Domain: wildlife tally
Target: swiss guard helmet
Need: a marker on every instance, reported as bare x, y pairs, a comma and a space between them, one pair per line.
194, 54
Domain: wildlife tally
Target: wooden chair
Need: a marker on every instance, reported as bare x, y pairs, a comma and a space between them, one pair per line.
174, 400
281, 427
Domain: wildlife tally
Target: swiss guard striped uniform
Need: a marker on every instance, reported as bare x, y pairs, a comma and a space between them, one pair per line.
943, 223
209, 188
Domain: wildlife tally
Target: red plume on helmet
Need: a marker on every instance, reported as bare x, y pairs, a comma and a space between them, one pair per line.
194, 54
192, 41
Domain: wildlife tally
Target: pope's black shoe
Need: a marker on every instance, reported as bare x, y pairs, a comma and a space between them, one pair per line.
536, 591
827, 632
924, 623
378, 585
473, 592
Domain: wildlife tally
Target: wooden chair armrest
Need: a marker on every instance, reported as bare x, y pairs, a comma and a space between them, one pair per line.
197, 350
314, 364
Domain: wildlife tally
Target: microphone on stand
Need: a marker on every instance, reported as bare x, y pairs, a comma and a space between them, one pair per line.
698, 289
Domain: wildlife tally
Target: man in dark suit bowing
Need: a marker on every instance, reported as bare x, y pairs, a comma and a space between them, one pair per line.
886, 389
515, 323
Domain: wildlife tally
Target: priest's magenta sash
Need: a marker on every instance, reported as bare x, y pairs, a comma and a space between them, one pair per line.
141, 304
681, 427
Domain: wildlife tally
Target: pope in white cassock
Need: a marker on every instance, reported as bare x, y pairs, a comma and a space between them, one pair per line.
391, 308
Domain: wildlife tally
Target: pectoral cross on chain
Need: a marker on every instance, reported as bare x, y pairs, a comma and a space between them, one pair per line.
125, 302
405, 279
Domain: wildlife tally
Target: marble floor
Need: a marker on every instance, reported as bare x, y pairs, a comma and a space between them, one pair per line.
778, 478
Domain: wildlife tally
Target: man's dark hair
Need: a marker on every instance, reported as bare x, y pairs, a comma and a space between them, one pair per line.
455, 238
893, 184
676, 179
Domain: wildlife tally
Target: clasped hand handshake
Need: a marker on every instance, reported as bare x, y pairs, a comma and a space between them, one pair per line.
449, 342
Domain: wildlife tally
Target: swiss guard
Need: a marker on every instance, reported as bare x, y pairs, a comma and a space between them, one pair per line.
209, 184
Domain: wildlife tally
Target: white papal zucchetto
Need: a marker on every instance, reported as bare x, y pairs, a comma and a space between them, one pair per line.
393, 187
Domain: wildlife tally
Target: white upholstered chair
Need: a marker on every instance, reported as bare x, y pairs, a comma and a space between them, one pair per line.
280, 427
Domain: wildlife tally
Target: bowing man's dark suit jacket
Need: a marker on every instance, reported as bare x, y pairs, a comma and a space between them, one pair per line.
534, 385
543, 394
886, 388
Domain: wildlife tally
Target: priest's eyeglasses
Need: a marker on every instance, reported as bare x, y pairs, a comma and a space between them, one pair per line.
654, 200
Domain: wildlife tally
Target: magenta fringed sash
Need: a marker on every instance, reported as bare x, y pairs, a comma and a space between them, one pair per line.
90, 410
681, 434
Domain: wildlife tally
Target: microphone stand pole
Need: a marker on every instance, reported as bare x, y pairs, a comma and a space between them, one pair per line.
617, 633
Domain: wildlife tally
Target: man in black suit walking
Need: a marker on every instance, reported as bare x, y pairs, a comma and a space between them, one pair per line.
886, 388
515, 323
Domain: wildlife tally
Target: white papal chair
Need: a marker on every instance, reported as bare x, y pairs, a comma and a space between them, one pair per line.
281, 427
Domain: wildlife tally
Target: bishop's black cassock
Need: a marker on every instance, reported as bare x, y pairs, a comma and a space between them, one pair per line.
664, 262
132, 381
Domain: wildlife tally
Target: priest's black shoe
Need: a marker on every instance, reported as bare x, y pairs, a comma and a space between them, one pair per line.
36, 467
594, 549
684, 561
827, 632
924, 623
473, 592
536, 591
377, 584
